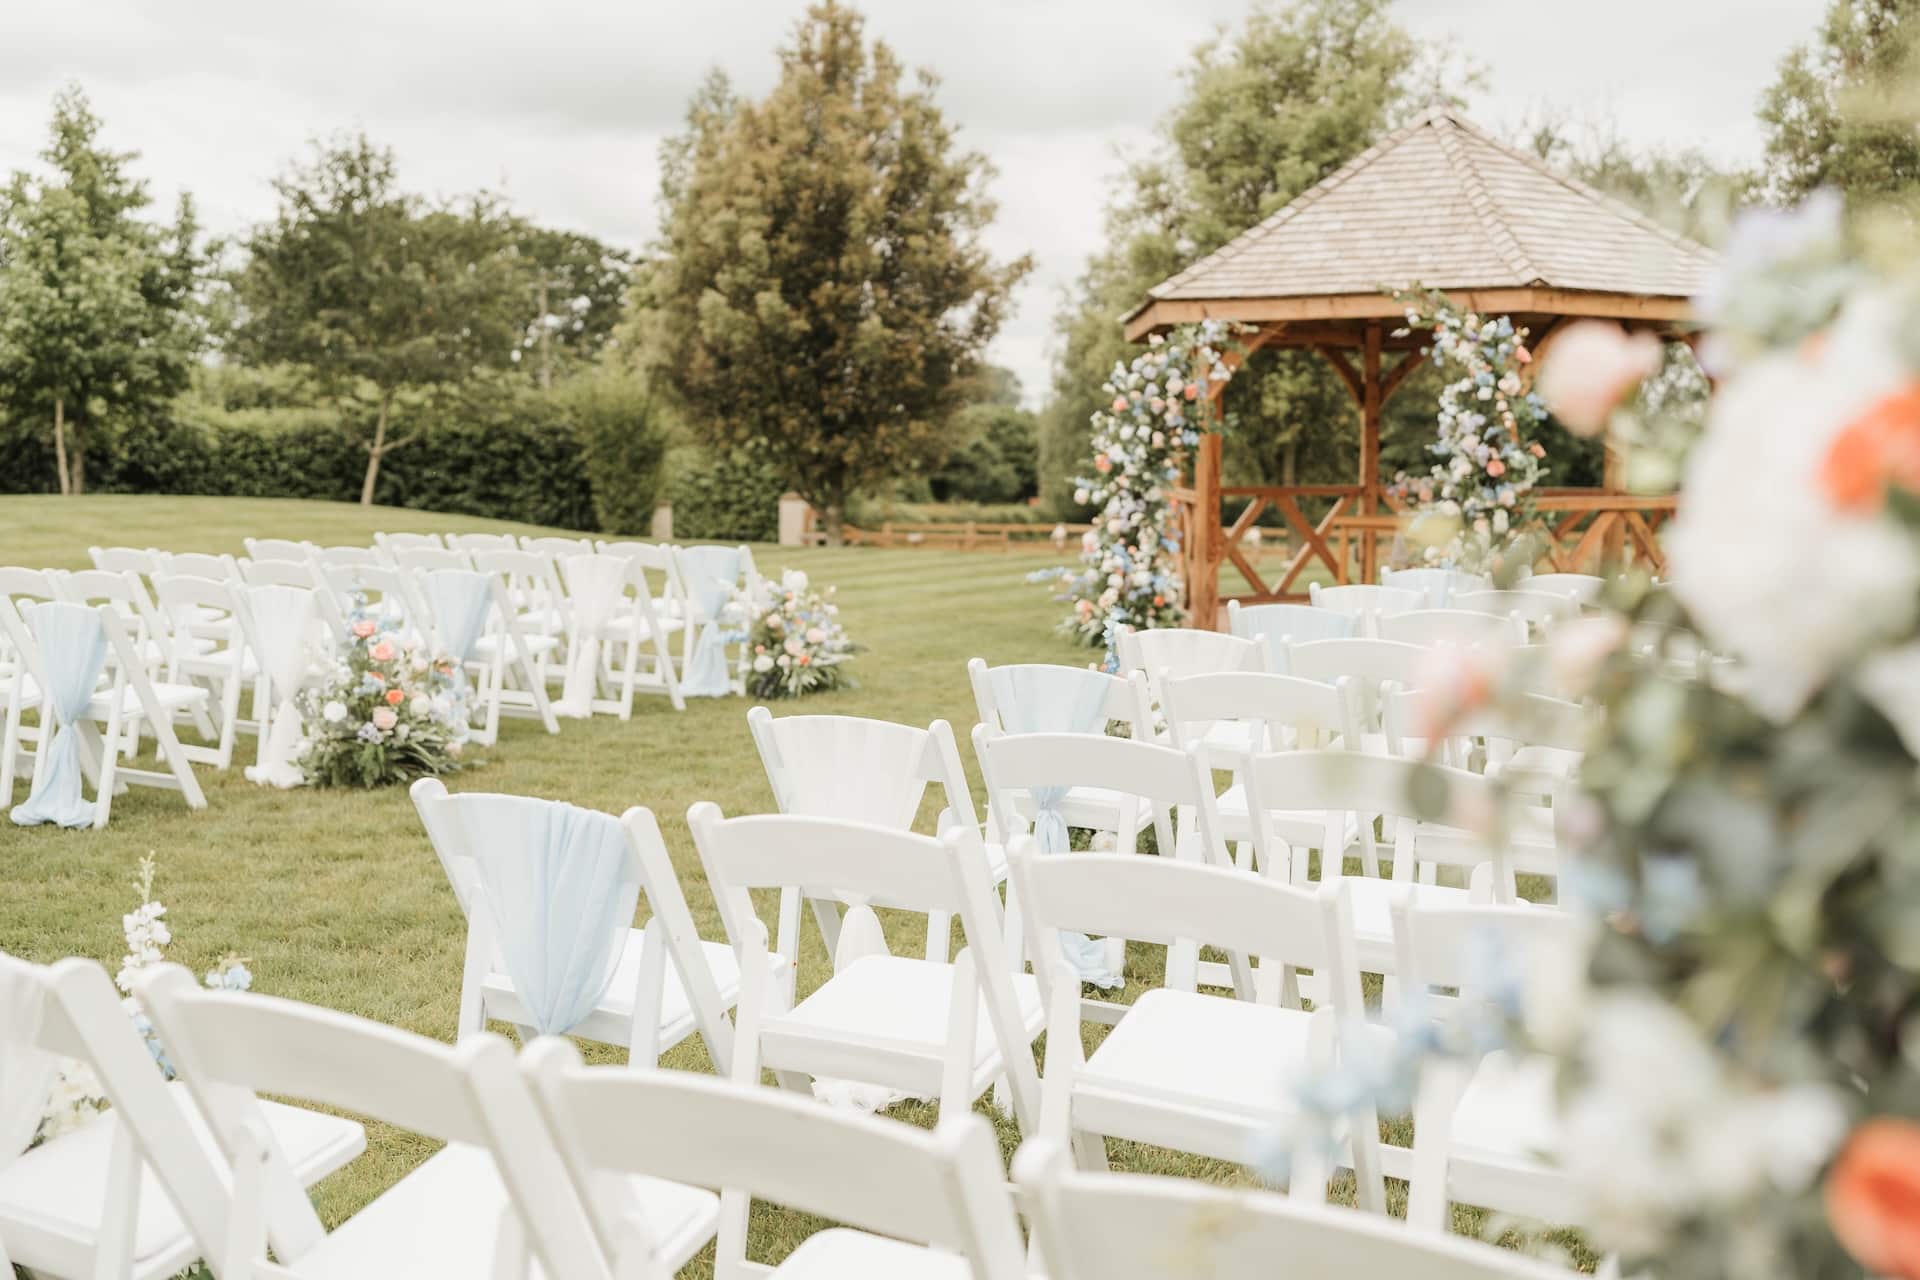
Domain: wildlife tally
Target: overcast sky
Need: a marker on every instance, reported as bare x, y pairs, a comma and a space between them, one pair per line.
562, 104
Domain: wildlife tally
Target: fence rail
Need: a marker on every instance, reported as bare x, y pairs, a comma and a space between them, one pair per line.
968, 535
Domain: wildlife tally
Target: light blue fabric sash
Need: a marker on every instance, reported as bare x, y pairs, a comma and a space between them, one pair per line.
561, 890
710, 574
73, 652
1038, 699
459, 600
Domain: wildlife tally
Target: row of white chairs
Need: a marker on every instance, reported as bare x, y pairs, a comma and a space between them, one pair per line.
556, 1168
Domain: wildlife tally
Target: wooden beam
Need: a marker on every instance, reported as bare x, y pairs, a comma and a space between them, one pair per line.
1348, 374
1370, 448
1163, 313
1399, 373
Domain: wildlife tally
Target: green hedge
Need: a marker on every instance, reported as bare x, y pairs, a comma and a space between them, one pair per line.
725, 498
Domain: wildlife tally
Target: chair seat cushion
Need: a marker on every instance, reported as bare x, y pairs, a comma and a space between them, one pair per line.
442, 1220
840, 1254
904, 1001
171, 697
1507, 1111
52, 1197
1210, 1051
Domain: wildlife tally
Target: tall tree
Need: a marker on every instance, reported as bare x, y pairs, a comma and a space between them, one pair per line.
1845, 111
374, 294
1269, 109
820, 294
578, 288
96, 303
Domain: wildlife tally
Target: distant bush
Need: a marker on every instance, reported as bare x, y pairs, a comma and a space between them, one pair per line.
724, 498
623, 440
872, 514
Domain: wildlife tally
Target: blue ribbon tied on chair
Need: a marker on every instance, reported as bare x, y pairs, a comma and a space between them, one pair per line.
560, 886
73, 652
459, 600
1058, 700
710, 574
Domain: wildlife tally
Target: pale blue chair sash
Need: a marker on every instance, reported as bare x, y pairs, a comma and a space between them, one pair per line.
459, 600
710, 575
1034, 699
560, 887
73, 651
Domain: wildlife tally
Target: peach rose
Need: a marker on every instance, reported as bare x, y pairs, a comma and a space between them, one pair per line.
1873, 1197
363, 628
1880, 447
1591, 368
384, 718
382, 651
1119, 404
1496, 468
395, 697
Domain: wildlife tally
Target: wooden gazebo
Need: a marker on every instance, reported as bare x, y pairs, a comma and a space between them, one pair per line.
1440, 203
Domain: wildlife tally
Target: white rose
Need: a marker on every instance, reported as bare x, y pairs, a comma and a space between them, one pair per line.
763, 664
334, 712
421, 704
793, 580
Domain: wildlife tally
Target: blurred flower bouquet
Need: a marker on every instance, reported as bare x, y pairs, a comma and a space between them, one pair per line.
76, 1096
795, 643
1130, 574
391, 712
1477, 499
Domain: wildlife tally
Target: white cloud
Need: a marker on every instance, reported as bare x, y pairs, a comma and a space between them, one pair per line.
564, 104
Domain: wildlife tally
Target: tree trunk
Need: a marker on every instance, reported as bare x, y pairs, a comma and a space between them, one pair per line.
376, 449
831, 523
78, 458
1290, 463
60, 443
546, 341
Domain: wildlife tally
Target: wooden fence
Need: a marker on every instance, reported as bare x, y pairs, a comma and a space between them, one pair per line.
970, 535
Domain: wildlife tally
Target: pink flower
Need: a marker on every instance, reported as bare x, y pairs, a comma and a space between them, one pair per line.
1591, 369
384, 717
363, 628
395, 697
1191, 391
1873, 1197
381, 651
1496, 468
1453, 682
1119, 404
1157, 405
1102, 463
816, 636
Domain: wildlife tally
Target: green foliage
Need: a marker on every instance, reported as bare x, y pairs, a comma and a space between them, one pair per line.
392, 713
1842, 113
578, 287
993, 457
368, 290
623, 444
96, 322
728, 497
1269, 110
822, 295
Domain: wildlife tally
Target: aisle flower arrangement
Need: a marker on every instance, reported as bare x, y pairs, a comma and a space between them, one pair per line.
795, 642
390, 713
1739, 1040
1130, 574
1477, 499
76, 1096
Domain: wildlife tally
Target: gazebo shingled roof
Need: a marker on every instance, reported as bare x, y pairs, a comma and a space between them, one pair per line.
1439, 203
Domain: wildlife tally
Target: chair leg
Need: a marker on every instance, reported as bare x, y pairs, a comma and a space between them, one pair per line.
963, 1026
1064, 1058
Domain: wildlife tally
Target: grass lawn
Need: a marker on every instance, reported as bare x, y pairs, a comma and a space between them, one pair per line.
335, 896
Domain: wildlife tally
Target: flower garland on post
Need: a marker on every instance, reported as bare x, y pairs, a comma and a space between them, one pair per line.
1130, 574
1478, 497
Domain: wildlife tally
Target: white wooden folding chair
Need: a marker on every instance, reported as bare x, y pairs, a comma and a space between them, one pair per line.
473, 543
208, 648
423, 558
1585, 588
557, 549
375, 590
149, 633
1044, 698
346, 556
1460, 628
493, 1201
1275, 626
144, 561
897, 1023
278, 549
917, 1205
1439, 586
1108, 1226
526, 633
1206, 1074
329, 622
1484, 1125
701, 979
1368, 665
712, 582
19, 690
390, 544
1170, 652
874, 771
1366, 603
1351, 788
1144, 783
636, 653
500, 649
1537, 609
196, 564
136, 1192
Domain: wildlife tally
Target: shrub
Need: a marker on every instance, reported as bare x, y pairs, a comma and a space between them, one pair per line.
623, 441
724, 498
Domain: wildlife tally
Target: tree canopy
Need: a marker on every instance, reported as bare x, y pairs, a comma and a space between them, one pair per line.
820, 294
1842, 112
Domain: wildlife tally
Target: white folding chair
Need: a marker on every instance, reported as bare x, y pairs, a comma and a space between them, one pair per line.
126, 699
1038, 777
346, 556
495, 1199
526, 631
144, 561
471, 620
208, 648
474, 543
874, 771
329, 622
18, 687
1107, 1226
1457, 628
196, 564
1206, 1074
1368, 604
699, 980
278, 549
422, 559
638, 654
1044, 698
917, 1205
391, 544
1367, 665
610, 617
1351, 788
1275, 626
901, 1024
135, 1192
1439, 586
713, 579
375, 590
1585, 588
1535, 608
1484, 1126
1171, 652
557, 549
